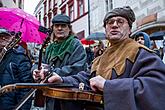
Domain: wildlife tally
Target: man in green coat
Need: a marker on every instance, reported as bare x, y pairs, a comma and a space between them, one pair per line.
65, 54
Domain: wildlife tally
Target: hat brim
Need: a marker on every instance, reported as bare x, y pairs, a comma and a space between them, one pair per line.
61, 22
4, 32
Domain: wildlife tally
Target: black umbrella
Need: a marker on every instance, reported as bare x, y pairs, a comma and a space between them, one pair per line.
96, 36
157, 35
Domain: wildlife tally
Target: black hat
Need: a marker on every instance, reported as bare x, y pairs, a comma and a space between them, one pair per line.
4, 32
125, 12
60, 18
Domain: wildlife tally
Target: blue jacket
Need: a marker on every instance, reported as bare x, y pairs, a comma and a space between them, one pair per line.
15, 68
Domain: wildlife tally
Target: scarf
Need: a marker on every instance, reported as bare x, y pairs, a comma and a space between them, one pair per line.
59, 49
115, 57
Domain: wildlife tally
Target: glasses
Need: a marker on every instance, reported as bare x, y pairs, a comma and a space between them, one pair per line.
120, 22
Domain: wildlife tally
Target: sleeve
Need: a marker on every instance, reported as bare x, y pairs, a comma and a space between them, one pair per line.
24, 76
143, 90
76, 62
81, 77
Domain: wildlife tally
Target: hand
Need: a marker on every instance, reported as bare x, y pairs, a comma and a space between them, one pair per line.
36, 74
40, 74
97, 83
55, 78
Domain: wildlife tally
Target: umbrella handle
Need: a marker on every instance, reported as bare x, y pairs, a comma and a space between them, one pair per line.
21, 23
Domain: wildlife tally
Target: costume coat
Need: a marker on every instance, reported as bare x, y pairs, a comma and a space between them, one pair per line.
135, 77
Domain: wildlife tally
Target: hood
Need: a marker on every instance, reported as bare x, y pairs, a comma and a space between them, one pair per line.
146, 37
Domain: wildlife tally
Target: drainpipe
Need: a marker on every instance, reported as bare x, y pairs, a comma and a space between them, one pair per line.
1, 5
89, 17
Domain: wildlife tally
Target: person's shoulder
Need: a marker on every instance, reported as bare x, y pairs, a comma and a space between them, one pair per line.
146, 49
19, 51
76, 41
17, 56
133, 45
148, 54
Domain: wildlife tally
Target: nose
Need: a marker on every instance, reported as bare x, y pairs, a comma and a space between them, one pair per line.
59, 27
115, 23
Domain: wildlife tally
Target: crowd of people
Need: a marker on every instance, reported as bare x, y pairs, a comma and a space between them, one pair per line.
129, 73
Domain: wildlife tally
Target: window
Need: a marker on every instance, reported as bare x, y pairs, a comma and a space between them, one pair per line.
49, 4
81, 7
20, 4
55, 11
45, 21
39, 16
54, 2
109, 5
71, 12
63, 1
49, 21
14, 1
63, 9
71, 9
45, 7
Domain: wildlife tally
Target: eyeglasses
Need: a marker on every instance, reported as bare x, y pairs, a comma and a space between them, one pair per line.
119, 22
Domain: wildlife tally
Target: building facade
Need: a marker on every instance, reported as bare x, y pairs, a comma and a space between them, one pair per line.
87, 15
12, 3
97, 11
76, 9
149, 14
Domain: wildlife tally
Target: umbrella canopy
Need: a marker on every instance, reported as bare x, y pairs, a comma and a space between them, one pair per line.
96, 36
157, 35
15, 19
87, 42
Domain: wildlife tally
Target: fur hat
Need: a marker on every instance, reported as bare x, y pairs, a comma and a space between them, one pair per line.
125, 12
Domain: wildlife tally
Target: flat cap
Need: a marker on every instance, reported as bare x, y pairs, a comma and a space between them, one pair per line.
60, 18
125, 12
4, 31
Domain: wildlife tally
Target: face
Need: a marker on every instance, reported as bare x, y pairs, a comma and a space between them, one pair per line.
117, 29
140, 40
4, 40
61, 31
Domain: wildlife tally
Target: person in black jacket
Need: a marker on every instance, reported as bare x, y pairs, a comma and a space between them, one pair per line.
90, 55
15, 67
